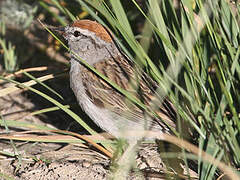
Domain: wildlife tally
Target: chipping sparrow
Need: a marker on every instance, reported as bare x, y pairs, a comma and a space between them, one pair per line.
108, 108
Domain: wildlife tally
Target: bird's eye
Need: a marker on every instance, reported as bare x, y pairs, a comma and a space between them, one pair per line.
76, 33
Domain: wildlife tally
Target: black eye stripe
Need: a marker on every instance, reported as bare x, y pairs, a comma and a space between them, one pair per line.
76, 33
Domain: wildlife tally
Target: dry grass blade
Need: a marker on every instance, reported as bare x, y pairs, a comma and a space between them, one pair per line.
67, 137
42, 68
106, 152
14, 88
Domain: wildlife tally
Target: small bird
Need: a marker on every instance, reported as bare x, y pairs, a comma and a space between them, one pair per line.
105, 105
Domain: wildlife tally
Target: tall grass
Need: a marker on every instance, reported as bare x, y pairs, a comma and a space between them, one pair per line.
199, 41
196, 66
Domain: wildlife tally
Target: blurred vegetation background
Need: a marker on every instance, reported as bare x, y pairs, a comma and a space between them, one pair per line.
190, 47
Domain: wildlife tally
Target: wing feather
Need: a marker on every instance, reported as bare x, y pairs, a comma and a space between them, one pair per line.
121, 71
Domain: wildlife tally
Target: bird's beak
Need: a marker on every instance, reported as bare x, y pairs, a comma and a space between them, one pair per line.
60, 30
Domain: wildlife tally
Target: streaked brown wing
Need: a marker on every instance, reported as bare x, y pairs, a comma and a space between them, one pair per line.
121, 72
